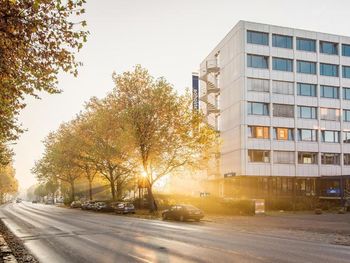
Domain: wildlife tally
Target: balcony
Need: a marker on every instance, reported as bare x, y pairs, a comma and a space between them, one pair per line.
211, 66
212, 109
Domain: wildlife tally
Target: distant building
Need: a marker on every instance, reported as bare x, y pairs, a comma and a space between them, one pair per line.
280, 100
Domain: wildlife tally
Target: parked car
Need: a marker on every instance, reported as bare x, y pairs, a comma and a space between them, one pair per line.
49, 202
18, 200
88, 205
183, 213
75, 204
104, 207
124, 208
34, 202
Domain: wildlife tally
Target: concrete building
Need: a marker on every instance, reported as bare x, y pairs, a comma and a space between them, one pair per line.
280, 99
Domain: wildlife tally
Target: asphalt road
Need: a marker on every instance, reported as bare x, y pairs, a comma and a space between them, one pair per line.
56, 234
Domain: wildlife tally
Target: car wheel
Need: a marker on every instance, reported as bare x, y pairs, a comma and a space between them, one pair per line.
182, 218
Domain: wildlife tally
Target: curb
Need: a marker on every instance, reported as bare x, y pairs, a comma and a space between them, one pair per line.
6, 252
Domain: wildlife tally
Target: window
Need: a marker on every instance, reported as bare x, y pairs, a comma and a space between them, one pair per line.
258, 156
329, 92
258, 38
346, 72
328, 114
330, 158
345, 50
259, 132
346, 115
305, 112
283, 87
283, 110
306, 67
346, 138
282, 41
346, 93
329, 70
284, 134
346, 159
328, 48
282, 64
330, 136
261, 85
283, 157
258, 108
305, 89
307, 158
306, 44
256, 61
307, 135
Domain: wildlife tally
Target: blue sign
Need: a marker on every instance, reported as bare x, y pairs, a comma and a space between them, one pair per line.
195, 92
333, 191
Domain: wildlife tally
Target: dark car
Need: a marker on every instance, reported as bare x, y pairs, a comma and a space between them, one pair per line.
103, 207
88, 205
75, 204
183, 213
124, 208
34, 202
18, 200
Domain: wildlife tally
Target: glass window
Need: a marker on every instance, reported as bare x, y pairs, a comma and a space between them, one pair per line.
258, 156
261, 85
305, 89
330, 158
283, 157
306, 44
259, 132
346, 115
258, 108
256, 61
346, 72
346, 159
307, 158
258, 38
283, 110
306, 67
282, 41
282, 64
346, 138
346, 93
329, 92
305, 112
345, 50
307, 135
328, 114
283, 87
284, 134
328, 48
330, 136
329, 70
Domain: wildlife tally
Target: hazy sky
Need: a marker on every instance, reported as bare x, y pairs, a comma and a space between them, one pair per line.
170, 38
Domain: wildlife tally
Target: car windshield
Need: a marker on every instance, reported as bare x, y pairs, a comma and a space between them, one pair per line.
190, 207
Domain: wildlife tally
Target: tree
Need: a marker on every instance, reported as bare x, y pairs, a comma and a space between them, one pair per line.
106, 143
38, 38
167, 133
8, 182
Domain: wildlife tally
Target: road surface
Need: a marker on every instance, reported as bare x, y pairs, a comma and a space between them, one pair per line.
56, 234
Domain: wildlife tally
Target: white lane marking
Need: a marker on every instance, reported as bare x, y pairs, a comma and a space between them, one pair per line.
139, 258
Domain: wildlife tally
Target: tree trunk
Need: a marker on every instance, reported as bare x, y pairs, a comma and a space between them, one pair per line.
90, 189
72, 190
119, 190
113, 190
151, 202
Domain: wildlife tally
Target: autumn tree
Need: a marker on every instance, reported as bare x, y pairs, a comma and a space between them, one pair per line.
8, 182
167, 133
38, 39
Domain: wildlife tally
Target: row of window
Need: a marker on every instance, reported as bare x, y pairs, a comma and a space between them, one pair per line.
303, 89
287, 134
288, 157
303, 44
305, 67
303, 112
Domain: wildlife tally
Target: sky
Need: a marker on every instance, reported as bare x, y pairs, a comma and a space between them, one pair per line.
169, 38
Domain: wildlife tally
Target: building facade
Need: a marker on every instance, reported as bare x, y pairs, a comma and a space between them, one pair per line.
280, 100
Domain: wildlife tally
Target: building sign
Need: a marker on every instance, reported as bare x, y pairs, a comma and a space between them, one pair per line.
195, 91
